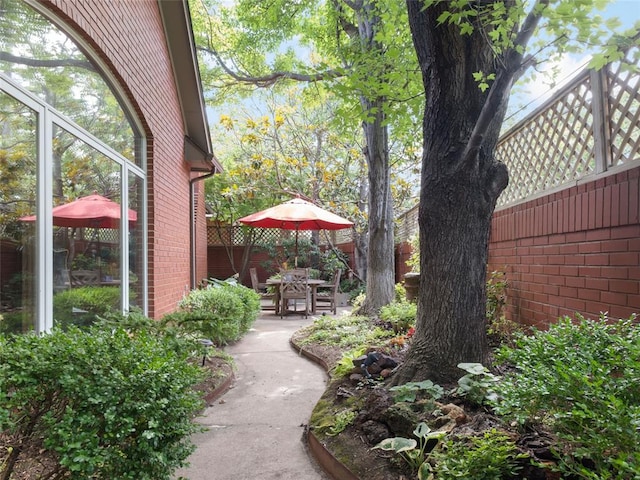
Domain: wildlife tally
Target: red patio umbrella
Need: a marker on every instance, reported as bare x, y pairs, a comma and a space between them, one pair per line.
296, 214
93, 211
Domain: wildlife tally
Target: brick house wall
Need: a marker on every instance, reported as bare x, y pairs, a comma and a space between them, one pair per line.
140, 63
575, 250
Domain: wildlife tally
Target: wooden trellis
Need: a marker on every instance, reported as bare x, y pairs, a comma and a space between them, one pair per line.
235, 235
585, 129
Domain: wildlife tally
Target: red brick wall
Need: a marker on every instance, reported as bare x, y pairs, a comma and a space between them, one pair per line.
403, 253
129, 37
576, 250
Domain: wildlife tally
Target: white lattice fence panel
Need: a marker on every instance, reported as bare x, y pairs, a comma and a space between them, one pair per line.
236, 235
624, 112
553, 147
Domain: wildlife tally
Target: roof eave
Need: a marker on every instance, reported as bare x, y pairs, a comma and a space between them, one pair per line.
198, 151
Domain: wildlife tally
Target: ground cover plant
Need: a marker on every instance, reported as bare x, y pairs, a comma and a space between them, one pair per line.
562, 403
581, 382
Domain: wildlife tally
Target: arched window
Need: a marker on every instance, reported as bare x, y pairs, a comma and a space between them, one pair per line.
72, 196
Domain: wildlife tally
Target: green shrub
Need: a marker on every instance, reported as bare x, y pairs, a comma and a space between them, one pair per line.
16, 322
400, 292
83, 305
98, 403
174, 337
581, 380
499, 329
478, 384
330, 261
401, 315
496, 295
413, 262
205, 326
492, 456
249, 299
352, 287
11, 292
250, 306
221, 312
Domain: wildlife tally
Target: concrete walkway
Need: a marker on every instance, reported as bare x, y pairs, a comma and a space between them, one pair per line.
255, 430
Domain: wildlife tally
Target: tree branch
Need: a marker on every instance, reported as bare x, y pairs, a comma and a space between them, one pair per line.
48, 63
499, 92
273, 77
357, 5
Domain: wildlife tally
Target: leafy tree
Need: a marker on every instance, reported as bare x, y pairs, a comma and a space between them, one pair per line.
470, 53
291, 150
359, 50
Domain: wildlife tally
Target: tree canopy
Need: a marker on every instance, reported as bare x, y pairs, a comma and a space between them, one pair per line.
358, 51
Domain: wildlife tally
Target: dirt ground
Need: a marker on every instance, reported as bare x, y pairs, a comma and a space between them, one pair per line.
378, 419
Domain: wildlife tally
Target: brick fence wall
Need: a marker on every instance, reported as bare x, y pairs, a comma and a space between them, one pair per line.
575, 250
221, 267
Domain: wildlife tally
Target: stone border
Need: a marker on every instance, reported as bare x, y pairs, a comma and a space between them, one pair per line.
329, 464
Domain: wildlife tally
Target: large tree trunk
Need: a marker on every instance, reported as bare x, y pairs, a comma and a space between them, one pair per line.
361, 240
460, 184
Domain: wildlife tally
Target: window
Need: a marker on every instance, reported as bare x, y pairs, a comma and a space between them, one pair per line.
64, 139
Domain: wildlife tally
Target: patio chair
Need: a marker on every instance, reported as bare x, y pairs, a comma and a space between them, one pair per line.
327, 296
294, 286
262, 290
80, 278
61, 279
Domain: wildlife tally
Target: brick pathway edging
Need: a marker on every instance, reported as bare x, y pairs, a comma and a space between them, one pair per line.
327, 461
220, 390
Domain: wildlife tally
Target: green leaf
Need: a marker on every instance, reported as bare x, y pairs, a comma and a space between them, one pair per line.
424, 472
466, 28
473, 368
397, 444
422, 430
443, 17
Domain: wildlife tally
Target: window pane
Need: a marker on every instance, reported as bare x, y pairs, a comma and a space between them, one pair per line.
86, 219
18, 164
136, 252
45, 61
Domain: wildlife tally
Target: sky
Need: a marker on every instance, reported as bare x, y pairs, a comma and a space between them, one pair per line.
527, 98
536, 93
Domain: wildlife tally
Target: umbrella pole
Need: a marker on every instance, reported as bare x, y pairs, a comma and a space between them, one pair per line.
296, 257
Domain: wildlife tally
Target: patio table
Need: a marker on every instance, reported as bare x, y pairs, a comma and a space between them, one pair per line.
314, 283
